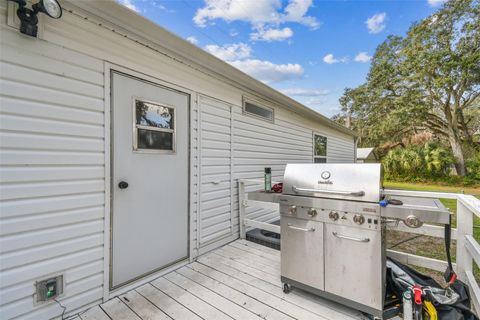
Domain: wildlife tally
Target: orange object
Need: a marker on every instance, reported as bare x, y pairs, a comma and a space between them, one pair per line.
417, 294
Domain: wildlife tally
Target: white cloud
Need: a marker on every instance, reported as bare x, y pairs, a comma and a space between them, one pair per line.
230, 52
270, 35
239, 56
267, 71
301, 92
330, 59
233, 33
264, 16
376, 23
315, 102
363, 57
129, 4
296, 11
192, 40
161, 7
436, 3
255, 12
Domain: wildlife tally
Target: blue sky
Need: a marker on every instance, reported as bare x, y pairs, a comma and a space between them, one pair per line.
310, 50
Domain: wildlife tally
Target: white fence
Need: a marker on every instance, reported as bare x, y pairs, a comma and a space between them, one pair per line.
468, 249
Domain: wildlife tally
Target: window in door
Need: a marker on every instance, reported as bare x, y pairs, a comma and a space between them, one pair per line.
319, 149
154, 127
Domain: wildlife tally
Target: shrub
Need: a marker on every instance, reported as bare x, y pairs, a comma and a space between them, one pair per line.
418, 163
473, 169
438, 160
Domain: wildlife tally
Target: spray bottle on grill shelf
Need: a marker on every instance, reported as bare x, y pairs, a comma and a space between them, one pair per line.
407, 305
268, 179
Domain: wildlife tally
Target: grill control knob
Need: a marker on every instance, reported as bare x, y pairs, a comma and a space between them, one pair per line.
333, 215
293, 210
359, 219
412, 221
312, 212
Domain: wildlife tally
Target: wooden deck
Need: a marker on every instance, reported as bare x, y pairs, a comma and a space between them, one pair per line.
238, 281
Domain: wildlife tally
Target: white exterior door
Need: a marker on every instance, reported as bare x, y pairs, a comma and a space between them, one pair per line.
150, 173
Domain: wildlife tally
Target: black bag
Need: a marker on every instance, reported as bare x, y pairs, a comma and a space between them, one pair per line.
452, 303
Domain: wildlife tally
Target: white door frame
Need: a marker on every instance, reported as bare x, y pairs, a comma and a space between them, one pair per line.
108, 68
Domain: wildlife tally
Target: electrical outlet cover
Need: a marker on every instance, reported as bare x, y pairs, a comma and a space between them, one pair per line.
49, 289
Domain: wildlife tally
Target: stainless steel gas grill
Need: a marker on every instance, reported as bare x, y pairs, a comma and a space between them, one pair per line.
333, 221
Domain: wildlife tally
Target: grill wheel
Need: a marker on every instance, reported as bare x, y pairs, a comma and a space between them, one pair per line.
287, 288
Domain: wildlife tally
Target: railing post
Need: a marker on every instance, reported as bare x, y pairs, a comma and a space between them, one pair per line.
241, 208
464, 228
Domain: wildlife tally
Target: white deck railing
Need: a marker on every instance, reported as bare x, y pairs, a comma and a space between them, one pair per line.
467, 252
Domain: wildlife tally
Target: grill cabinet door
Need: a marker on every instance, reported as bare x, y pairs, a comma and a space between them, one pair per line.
302, 251
353, 269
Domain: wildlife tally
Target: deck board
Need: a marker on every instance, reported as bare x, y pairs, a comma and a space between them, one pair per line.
226, 306
95, 313
308, 302
117, 310
183, 292
272, 267
251, 269
241, 299
265, 255
172, 307
260, 295
241, 280
142, 307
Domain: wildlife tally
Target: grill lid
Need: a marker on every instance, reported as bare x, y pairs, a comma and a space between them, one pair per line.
352, 181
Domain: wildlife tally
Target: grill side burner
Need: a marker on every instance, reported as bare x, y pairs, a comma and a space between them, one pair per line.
333, 230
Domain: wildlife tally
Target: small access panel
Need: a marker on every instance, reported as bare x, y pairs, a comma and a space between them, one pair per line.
49, 289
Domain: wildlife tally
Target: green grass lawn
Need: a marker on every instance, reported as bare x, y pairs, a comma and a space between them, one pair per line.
474, 190
429, 246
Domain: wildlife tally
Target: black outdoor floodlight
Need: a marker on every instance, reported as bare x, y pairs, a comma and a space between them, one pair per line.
28, 17
50, 7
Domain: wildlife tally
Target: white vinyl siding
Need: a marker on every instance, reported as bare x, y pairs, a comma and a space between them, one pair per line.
52, 170
215, 189
341, 148
259, 144
256, 144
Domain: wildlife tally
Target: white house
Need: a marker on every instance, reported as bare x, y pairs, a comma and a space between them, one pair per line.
121, 146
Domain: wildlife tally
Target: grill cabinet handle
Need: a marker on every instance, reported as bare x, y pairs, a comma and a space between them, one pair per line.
350, 238
300, 229
345, 193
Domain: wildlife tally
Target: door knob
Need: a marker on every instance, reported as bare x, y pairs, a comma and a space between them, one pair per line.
123, 185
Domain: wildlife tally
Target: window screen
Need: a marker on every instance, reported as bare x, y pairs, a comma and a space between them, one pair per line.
320, 149
262, 112
154, 127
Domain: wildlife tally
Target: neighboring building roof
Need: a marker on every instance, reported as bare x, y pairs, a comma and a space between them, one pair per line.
154, 36
364, 153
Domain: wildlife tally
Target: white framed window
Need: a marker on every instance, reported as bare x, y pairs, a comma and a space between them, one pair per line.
153, 127
254, 109
319, 148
